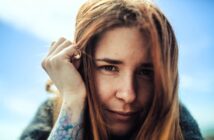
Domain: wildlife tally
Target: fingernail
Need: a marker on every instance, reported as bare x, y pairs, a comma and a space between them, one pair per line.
78, 54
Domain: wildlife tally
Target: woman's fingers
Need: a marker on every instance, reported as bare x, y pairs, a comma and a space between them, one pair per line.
78, 53
54, 45
62, 50
62, 67
68, 52
60, 47
71, 54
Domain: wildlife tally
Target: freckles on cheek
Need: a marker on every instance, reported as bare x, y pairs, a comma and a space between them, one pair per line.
104, 87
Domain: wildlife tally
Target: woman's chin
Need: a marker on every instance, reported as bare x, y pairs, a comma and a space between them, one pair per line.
121, 129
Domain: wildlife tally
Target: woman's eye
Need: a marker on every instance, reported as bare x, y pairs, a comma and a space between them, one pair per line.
109, 68
146, 72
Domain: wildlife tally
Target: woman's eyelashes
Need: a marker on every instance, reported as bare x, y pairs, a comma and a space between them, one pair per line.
142, 72
146, 73
108, 68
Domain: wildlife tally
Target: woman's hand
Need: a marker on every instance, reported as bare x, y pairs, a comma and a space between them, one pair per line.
61, 66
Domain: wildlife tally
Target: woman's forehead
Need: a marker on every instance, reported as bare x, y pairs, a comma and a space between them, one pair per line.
124, 44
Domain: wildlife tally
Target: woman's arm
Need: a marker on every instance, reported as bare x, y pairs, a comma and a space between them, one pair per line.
41, 127
61, 65
69, 122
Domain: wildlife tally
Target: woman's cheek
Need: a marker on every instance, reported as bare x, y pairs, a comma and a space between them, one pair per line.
105, 86
145, 92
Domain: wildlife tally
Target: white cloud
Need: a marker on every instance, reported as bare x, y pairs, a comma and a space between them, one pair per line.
45, 18
17, 110
21, 106
22, 102
11, 130
18, 106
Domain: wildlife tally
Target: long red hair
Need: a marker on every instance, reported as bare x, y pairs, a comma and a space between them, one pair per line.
97, 16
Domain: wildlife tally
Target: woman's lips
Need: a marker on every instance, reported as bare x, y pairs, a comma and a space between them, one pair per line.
121, 116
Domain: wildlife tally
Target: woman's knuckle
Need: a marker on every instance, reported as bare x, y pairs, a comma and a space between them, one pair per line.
53, 42
44, 63
61, 39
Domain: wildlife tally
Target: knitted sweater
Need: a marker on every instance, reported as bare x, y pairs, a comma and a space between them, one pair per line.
42, 123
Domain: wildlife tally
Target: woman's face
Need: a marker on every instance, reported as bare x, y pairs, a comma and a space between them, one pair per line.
123, 77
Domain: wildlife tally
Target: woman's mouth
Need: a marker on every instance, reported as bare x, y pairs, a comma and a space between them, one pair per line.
121, 116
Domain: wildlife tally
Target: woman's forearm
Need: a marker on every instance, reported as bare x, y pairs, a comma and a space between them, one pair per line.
69, 123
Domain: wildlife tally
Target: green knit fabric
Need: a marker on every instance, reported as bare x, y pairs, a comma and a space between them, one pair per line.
42, 123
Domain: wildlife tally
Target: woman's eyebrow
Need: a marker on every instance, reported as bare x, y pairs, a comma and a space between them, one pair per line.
110, 61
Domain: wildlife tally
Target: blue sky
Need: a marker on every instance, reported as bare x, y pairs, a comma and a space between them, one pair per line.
26, 34
192, 22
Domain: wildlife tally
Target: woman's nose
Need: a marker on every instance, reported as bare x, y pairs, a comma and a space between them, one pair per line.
127, 90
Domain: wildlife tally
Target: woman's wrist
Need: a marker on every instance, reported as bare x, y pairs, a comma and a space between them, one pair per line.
69, 122
74, 98
79, 93
74, 104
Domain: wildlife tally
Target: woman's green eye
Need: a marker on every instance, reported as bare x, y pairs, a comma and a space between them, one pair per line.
109, 68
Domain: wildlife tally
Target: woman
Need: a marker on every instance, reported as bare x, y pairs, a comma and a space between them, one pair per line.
119, 80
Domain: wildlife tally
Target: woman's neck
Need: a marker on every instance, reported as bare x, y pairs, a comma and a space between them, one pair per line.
114, 137
129, 136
